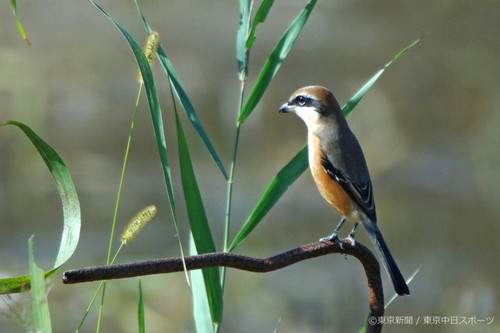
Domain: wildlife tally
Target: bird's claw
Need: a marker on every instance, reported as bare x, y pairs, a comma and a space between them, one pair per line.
351, 235
333, 238
351, 239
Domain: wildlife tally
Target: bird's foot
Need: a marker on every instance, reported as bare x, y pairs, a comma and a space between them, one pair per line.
351, 235
333, 238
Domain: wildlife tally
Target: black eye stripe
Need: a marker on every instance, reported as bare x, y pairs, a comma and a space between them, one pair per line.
302, 100
311, 102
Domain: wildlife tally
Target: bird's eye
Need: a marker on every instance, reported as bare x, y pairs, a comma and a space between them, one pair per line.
301, 100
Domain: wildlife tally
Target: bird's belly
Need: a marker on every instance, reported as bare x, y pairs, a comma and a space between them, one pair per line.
332, 192
336, 197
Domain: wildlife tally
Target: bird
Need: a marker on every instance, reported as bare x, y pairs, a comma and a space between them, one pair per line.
339, 170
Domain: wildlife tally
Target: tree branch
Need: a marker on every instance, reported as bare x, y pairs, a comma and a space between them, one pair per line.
260, 265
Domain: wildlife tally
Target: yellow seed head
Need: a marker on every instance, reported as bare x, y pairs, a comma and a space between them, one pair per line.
138, 222
150, 48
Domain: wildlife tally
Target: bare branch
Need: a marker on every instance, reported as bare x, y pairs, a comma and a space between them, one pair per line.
261, 265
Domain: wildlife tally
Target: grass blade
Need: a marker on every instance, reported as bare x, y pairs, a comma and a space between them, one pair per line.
184, 99
293, 169
155, 110
408, 281
278, 186
69, 199
140, 310
13, 5
154, 107
41, 313
260, 17
199, 224
351, 104
275, 60
201, 309
189, 109
241, 39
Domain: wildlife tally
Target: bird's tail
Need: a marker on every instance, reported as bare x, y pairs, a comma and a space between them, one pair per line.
385, 255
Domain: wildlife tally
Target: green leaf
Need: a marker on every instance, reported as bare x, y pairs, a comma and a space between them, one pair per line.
41, 313
241, 38
201, 309
275, 60
260, 17
71, 208
140, 309
189, 109
13, 5
199, 224
154, 108
293, 169
278, 186
184, 99
351, 104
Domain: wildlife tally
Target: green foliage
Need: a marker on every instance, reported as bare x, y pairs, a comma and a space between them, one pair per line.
351, 104
20, 27
198, 222
241, 39
176, 85
140, 309
201, 308
275, 60
41, 313
278, 186
71, 208
260, 17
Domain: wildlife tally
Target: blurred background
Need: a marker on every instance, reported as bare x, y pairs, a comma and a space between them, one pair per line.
429, 130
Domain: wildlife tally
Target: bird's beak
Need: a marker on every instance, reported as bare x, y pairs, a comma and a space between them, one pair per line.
285, 108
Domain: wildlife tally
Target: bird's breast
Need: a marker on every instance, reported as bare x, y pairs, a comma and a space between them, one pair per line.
329, 189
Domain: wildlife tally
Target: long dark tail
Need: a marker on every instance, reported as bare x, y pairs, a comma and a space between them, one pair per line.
387, 260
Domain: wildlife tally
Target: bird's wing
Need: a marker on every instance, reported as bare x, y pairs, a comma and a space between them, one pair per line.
360, 192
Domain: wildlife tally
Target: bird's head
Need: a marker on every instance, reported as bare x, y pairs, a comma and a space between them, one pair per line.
313, 104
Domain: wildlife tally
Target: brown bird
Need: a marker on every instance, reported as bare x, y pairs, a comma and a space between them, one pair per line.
339, 169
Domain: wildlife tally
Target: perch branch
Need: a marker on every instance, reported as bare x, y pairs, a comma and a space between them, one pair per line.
260, 265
